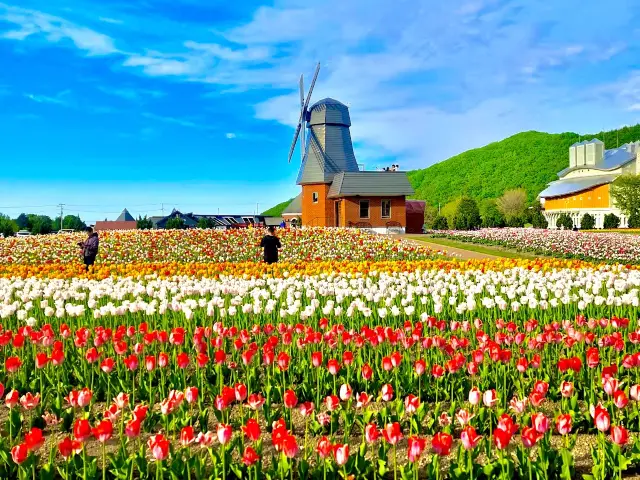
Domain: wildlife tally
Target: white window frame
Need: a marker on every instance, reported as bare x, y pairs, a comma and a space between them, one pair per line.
382, 215
231, 220
315, 197
248, 220
368, 209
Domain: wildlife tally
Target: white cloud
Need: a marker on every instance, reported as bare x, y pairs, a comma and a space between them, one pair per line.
634, 108
111, 20
183, 122
54, 29
230, 135
58, 99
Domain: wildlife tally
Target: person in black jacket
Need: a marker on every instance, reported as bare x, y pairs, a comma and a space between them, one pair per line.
90, 248
271, 244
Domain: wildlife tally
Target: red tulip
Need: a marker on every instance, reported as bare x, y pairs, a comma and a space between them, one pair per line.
474, 396
250, 457
341, 454
620, 399
563, 424
255, 401
29, 401
593, 357
20, 453
332, 402
501, 438
132, 428
131, 362
469, 437
283, 361
290, 399
371, 433
159, 446
601, 419
33, 439
187, 437
12, 399
392, 433
540, 422
619, 435
251, 430
290, 446
306, 408
441, 443
386, 393
386, 364
224, 433
367, 372
103, 431
316, 359
150, 362
191, 394
41, 360
530, 437
67, 447
12, 364
415, 447
324, 447
419, 367
333, 366
107, 365
490, 398
362, 399
566, 389
82, 430
411, 404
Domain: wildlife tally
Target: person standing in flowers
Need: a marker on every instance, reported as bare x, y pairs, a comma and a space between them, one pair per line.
271, 244
90, 248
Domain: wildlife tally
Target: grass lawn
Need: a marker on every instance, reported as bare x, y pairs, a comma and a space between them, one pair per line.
484, 249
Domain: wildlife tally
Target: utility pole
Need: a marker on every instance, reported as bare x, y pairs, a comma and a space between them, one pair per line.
257, 208
61, 214
162, 208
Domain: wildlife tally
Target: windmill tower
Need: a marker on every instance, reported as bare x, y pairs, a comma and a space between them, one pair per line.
325, 140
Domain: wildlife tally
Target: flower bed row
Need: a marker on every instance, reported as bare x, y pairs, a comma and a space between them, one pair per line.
212, 246
434, 373
609, 247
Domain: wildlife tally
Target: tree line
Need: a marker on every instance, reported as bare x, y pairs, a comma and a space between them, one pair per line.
39, 224
512, 209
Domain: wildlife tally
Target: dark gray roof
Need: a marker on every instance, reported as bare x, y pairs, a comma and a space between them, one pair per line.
613, 159
380, 184
125, 216
295, 207
575, 185
329, 111
329, 151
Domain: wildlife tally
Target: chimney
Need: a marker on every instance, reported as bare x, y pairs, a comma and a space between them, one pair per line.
594, 152
572, 155
580, 154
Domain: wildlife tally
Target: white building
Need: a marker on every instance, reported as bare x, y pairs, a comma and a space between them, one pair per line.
584, 187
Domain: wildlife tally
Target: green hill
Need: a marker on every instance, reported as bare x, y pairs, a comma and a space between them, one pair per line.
277, 210
526, 160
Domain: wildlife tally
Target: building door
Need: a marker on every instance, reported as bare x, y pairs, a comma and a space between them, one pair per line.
337, 213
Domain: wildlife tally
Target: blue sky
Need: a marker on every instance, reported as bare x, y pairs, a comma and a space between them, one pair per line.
192, 103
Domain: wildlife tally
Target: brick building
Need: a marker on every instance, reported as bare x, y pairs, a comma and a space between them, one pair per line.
335, 192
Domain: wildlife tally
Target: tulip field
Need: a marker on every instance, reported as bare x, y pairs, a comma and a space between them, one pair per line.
359, 357
595, 246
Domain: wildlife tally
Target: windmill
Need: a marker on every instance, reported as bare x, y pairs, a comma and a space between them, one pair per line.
325, 141
302, 122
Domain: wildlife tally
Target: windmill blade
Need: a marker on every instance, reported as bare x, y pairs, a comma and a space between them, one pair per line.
295, 139
301, 92
302, 118
313, 82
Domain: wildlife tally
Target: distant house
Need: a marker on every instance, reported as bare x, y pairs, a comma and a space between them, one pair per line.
221, 222
124, 222
293, 210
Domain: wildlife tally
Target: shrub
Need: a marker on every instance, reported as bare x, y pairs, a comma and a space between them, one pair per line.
440, 223
611, 221
144, 223
467, 215
175, 223
515, 222
8, 227
430, 214
490, 215
588, 222
564, 221
634, 220
206, 222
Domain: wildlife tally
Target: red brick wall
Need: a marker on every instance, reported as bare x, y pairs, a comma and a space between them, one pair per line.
351, 211
113, 225
320, 214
